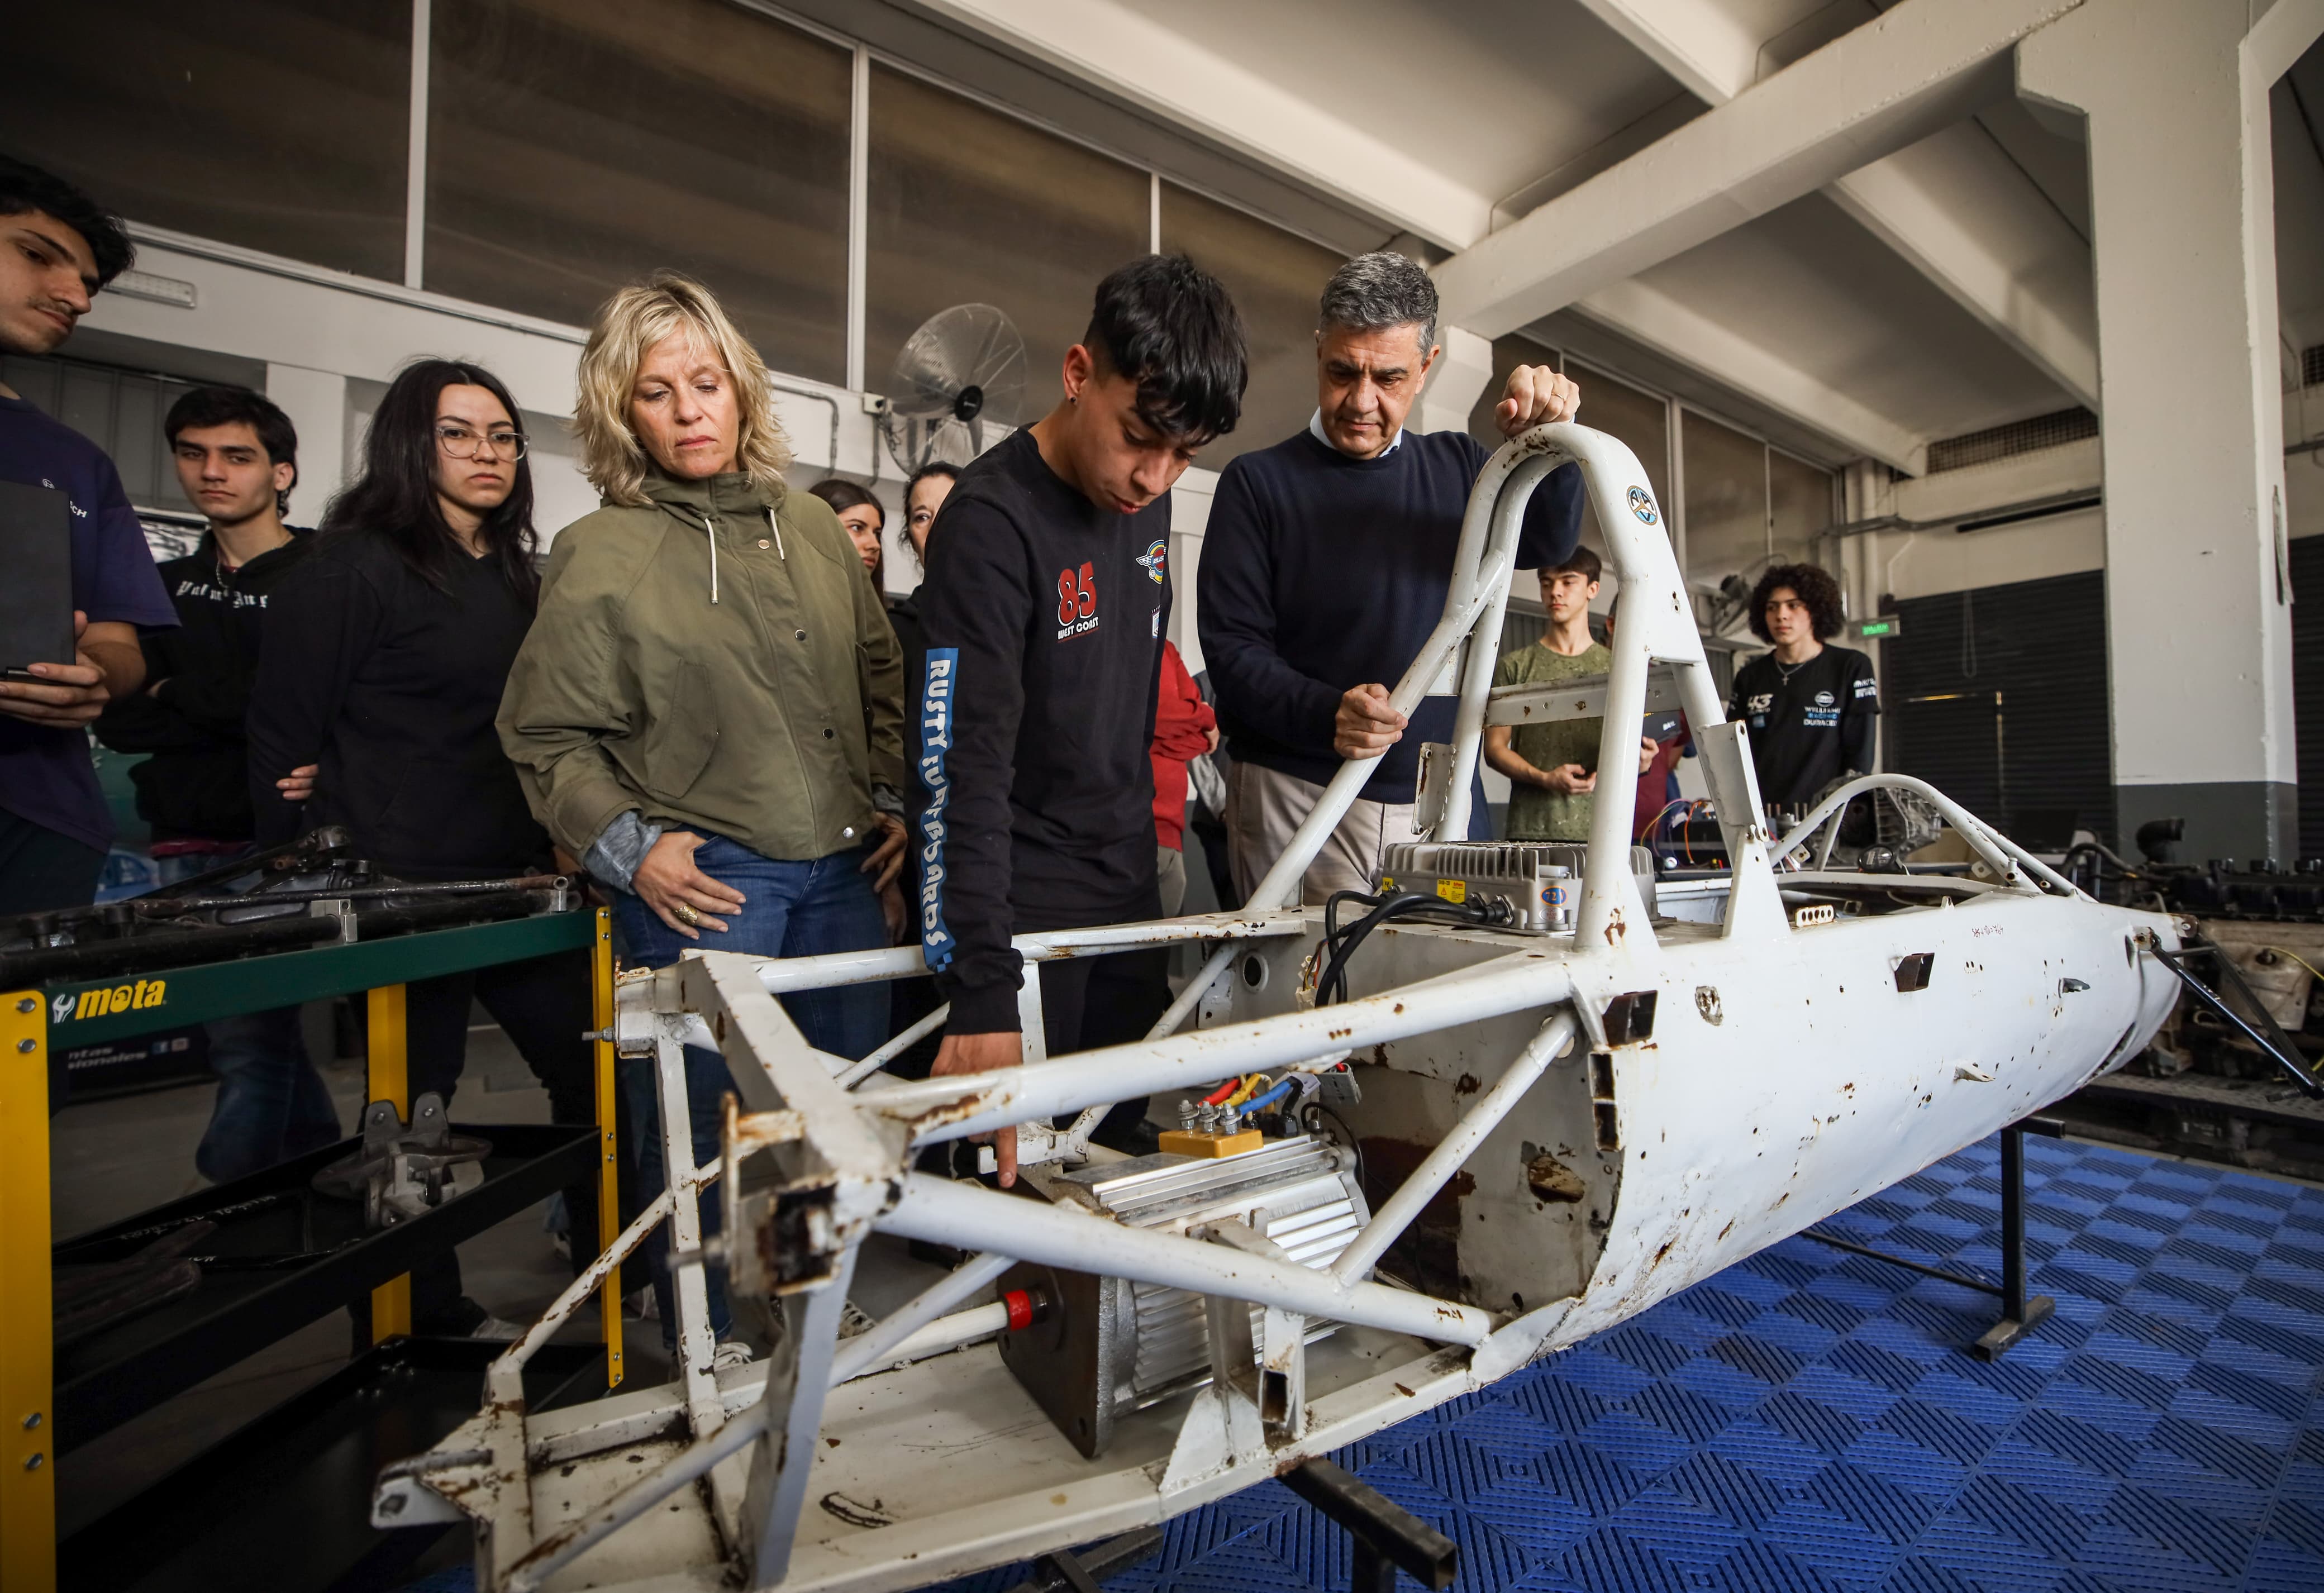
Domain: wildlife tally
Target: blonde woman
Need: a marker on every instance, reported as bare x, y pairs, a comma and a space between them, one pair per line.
707, 711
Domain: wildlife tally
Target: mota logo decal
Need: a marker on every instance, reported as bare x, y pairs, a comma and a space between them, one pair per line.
103, 1001
1156, 559
1642, 504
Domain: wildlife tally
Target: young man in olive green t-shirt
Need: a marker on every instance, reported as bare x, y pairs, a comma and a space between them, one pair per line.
1553, 768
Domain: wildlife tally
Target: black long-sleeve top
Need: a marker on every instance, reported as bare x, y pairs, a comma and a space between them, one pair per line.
1034, 705
390, 684
1809, 724
1321, 573
190, 714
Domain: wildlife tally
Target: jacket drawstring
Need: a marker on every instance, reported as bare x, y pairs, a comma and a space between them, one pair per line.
710, 524
777, 526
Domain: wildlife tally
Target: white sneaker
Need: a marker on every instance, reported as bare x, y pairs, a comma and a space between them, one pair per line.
730, 1353
642, 1305
496, 1330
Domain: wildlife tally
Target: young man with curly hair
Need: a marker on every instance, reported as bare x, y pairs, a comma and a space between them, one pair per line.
1809, 708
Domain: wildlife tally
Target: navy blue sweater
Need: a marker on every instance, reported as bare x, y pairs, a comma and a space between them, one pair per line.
1319, 572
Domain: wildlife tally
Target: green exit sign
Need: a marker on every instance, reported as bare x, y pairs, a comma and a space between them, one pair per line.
1880, 628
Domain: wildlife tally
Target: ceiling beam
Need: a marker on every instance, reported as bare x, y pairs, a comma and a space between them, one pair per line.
1873, 91
1954, 207
1170, 77
1678, 331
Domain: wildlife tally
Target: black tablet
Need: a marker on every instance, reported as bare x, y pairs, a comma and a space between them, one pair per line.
36, 607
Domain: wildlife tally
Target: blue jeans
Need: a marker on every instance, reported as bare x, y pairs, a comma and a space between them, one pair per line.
789, 909
271, 1104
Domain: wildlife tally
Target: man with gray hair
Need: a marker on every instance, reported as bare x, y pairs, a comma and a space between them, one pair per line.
1326, 562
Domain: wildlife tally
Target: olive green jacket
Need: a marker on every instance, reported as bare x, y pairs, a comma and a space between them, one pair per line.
715, 661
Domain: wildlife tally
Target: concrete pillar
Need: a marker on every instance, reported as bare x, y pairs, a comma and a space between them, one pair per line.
316, 403
2198, 597
1459, 378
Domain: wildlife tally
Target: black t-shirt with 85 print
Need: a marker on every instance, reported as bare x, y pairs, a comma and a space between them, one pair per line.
1807, 721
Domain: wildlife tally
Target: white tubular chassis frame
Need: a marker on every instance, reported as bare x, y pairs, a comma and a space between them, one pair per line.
1794, 1069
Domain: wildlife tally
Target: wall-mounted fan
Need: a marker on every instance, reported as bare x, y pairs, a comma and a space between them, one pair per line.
962, 372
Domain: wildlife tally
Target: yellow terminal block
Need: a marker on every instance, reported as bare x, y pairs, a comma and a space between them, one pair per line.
1199, 1142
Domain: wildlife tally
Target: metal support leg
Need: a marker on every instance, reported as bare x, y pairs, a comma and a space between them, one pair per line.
1386, 1535
388, 1080
785, 1453
1081, 1571
609, 1205
697, 1341
2019, 1315
28, 1472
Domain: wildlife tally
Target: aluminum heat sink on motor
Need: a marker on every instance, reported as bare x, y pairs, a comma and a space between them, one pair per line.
1100, 1348
1538, 880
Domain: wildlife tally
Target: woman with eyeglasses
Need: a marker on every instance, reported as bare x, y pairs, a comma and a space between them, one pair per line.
379, 677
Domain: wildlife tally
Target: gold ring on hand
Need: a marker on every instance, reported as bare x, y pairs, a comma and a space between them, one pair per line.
686, 915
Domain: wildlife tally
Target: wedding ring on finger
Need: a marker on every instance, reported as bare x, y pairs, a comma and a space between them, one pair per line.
686, 915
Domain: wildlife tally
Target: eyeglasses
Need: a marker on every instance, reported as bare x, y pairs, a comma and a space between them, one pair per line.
460, 442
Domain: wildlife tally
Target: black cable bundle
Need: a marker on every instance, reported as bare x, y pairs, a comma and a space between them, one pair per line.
1332, 982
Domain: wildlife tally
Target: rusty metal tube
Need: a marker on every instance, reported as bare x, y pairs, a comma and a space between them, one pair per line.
867, 1350
783, 975
553, 1553
505, 1378
1397, 1212
973, 1218
856, 1073
959, 1105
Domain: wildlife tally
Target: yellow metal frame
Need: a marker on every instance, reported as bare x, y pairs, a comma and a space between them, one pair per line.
28, 1472
387, 1050
609, 1205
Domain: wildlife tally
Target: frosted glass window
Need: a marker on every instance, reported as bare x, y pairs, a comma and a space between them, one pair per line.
277, 124
1277, 280
1799, 505
1640, 418
575, 145
972, 206
1726, 499
120, 411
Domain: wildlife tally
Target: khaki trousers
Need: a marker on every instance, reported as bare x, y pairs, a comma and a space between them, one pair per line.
1264, 807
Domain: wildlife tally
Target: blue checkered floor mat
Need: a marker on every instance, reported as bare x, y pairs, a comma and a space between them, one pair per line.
1810, 1421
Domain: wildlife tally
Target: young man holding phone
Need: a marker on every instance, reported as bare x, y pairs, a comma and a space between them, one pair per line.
1553, 768
58, 249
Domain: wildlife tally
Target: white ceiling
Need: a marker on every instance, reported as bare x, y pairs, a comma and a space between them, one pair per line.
1811, 286
1440, 120
1491, 93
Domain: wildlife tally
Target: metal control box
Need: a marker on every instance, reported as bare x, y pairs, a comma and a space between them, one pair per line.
1538, 879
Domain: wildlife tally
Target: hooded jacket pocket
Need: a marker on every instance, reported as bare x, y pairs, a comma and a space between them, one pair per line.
682, 735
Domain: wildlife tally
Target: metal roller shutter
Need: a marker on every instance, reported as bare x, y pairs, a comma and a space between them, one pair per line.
1997, 696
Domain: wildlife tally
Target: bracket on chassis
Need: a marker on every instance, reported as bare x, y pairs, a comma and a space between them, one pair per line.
2267, 1034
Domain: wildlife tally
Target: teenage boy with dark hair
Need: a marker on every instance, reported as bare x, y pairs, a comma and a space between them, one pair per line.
57, 247
1047, 598
1808, 709
237, 458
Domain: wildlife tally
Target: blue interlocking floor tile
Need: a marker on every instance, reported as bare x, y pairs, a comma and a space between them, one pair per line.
1810, 1421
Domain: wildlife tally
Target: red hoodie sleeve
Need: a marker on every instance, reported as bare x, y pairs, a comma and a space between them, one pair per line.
1182, 720
1182, 729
